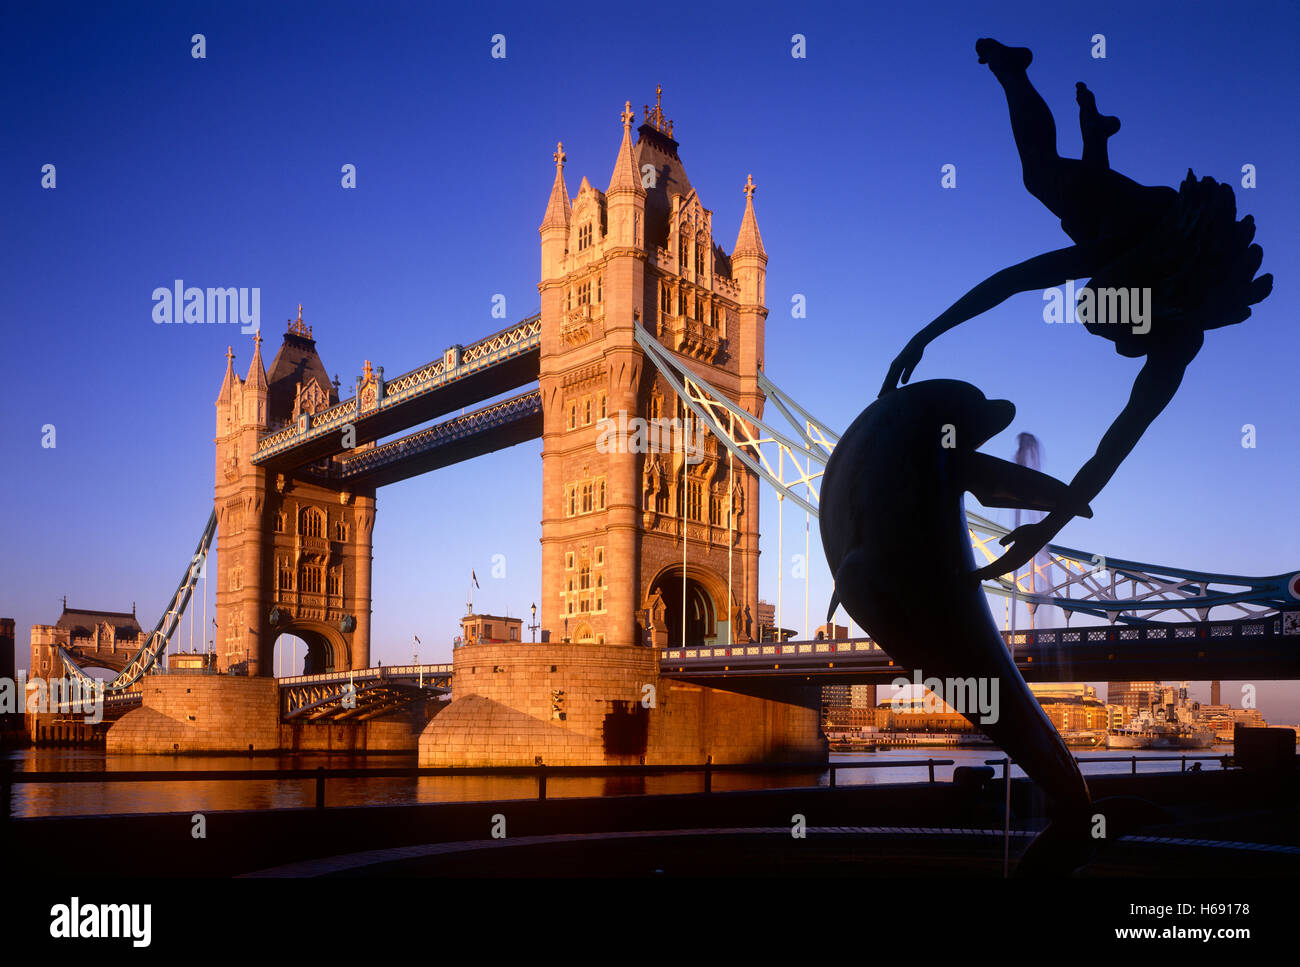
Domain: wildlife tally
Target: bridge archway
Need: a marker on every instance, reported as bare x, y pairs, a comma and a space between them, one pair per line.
326, 649
100, 667
705, 605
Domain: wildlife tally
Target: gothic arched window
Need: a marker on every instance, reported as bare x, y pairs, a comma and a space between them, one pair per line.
310, 579
312, 523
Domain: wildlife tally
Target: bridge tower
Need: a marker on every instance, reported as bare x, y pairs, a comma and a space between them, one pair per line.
645, 542
619, 488
293, 549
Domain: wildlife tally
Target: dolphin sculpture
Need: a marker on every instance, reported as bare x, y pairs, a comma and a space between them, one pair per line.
894, 530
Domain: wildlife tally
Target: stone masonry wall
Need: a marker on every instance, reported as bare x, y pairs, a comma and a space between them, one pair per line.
201, 713
505, 712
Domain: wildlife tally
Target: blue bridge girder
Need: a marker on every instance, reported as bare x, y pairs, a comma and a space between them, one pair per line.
1261, 649
463, 376
493, 427
360, 694
116, 704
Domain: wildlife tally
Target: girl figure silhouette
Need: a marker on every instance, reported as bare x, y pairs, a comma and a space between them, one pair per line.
1185, 250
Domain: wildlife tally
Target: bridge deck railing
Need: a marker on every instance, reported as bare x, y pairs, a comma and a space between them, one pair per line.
484, 353
379, 671
1266, 627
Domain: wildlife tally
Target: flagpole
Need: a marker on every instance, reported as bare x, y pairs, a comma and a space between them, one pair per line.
685, 485
731, 500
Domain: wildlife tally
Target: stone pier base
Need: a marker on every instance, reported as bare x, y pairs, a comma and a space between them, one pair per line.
201, 713
571, 704
214, 714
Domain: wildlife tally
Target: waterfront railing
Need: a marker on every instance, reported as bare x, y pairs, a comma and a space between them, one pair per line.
540, 772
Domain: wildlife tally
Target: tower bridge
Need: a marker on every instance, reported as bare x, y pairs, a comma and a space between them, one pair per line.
649, 555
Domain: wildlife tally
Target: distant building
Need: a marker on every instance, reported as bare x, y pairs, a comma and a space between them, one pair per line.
848, 703
1134, 696
192, 661
1075, 707
845, 719
482, 628
905, 699
903, 717
767, 629
838, 696
1046, 691
832, 633
913, 718
1079, 716
7, 666
104, 639
862, 696
9, 721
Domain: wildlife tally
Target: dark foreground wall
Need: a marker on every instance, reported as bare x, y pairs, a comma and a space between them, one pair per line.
1229, 805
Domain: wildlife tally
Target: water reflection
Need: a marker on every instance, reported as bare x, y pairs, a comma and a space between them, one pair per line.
100, 798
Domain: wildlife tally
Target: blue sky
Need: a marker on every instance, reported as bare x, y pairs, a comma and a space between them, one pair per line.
225, 171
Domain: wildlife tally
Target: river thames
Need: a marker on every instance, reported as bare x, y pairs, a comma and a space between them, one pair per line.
107, 798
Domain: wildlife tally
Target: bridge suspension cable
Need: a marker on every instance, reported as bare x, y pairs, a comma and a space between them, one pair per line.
750, 439
1073, 580
155, 644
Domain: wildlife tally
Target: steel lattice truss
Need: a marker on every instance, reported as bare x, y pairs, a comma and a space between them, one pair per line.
1128, 591
456, 363
458, 428
156, 641
759, 446
361, 694
1076, 581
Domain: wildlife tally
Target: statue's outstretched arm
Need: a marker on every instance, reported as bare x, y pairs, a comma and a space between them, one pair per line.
1154, 387
1040, 272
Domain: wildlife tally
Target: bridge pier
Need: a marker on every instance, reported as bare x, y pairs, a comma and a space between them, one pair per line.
201, 713
227, 714
576, 704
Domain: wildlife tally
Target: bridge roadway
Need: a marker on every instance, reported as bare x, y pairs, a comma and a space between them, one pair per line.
482, 431
376, 690
1249, 649
464, 375
1260, 649
361, 693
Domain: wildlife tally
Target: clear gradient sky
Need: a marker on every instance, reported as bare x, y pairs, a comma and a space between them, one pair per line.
226, 172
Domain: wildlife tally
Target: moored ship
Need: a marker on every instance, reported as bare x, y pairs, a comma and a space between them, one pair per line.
1159, 735
1170, 725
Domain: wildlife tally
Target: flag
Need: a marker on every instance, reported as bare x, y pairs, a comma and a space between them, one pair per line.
474, 577
417, 640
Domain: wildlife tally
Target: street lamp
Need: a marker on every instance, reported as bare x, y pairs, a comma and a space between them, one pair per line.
533, 627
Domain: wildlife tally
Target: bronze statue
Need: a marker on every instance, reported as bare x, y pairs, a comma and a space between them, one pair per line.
881, 532
1182, 251
1185, 256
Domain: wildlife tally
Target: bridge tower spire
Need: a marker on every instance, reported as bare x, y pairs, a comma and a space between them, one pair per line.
645, 544
618, 507
555, 223
293, 544
240, 497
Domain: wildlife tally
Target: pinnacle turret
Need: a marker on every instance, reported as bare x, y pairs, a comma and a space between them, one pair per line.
749, 241
256, 378
228, 381
624, 178
557, 209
